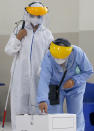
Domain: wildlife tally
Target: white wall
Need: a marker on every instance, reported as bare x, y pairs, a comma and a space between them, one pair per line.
86, 14
86, 26
63, 14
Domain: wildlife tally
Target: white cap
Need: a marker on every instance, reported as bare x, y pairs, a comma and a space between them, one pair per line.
36, 4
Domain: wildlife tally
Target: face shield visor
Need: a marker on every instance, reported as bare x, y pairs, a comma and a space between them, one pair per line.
60, 49
35, 13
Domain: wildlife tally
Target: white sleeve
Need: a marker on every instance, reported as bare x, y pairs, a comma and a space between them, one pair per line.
14, 45
50, 38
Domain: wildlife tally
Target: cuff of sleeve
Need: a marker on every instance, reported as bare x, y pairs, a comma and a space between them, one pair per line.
18, 42
42, 101
75, 81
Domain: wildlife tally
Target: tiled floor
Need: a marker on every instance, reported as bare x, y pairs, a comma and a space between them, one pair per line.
6, 128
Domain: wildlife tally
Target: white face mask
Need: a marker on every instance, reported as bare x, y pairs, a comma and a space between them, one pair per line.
36, 21
60, 61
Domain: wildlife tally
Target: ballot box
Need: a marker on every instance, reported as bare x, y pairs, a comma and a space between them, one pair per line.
46, 122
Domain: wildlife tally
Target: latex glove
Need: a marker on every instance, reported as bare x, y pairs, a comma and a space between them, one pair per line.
43, 107
21, 34
69, 84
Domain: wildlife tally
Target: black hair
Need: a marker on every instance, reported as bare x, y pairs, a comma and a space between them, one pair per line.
62, 42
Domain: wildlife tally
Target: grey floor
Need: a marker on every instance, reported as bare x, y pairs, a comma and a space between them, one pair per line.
6, 128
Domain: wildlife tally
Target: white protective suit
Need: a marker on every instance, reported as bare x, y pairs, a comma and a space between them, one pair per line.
25, 71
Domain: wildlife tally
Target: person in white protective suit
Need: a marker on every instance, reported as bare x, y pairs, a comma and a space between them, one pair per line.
28, 46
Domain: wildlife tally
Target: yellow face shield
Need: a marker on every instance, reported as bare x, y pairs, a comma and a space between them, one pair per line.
37, 10
60, 52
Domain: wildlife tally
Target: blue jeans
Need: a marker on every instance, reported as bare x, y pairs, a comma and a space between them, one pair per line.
74, 102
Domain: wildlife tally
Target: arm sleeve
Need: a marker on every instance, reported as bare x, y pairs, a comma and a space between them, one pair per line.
49, 38
45, 76
13, 46
85, 67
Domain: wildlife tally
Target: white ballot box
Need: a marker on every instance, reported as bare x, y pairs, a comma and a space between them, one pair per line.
49, 122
